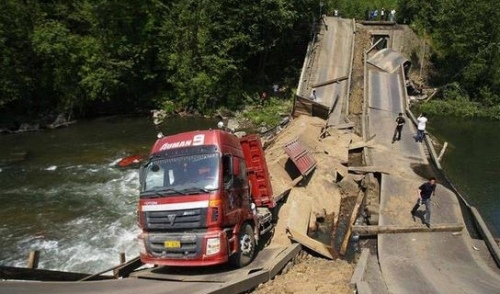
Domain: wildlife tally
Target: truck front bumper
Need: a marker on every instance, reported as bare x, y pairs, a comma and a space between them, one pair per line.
184, 249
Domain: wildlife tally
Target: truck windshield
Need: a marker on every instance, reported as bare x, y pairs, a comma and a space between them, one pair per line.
190, 174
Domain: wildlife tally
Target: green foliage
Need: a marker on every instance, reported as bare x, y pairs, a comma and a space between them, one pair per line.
186, 54
464, 36
17, 79
168, 106
458, 108
269, 114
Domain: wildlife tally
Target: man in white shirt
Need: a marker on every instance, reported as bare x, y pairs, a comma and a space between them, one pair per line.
393, 14
422, 120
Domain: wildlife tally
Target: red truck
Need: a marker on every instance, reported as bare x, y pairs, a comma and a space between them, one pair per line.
205, 198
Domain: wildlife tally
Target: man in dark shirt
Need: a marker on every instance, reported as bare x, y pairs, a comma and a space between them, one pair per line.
400, 121
424, 193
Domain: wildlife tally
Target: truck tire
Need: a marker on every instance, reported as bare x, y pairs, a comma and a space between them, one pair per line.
246, 247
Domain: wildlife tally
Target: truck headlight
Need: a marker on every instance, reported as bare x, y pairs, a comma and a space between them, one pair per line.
213, 246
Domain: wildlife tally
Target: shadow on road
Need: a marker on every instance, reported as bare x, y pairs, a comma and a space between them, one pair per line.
423, 170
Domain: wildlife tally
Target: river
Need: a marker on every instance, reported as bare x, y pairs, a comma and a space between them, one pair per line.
472, 162
67, 199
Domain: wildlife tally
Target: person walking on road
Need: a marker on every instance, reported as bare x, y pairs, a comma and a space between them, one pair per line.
422, 121
425, 191
400, 121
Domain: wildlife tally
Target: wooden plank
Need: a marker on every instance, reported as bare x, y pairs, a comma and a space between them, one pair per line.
33, 259
340, 168
369, 169
328, 82
361, 144
316, 246
390, 229
114, 269
342, 126
125, 269
354, 215
359, 271
440, 156
28, 274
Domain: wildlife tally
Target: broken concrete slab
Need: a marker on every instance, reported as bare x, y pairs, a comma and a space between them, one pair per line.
314, 245
300, 212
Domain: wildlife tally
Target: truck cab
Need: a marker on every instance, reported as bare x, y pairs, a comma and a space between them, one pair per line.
195, 205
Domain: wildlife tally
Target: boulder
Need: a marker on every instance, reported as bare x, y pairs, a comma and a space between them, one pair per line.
233, 124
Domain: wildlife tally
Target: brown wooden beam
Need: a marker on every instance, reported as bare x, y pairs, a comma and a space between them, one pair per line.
328, 82
374, 230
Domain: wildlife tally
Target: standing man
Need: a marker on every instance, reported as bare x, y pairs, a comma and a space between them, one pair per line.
422, 121
393, 14
424, 193
400, 121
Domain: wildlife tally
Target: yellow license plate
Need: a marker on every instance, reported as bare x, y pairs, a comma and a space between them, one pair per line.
172, 244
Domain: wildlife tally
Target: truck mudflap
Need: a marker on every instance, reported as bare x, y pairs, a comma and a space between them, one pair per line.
184, 249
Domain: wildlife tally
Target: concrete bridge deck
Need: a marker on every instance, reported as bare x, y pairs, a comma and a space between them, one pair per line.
330, 58
418, 262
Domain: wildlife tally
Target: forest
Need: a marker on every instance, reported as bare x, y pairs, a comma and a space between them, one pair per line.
93, 57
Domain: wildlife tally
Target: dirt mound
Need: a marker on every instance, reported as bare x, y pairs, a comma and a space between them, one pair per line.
312, 275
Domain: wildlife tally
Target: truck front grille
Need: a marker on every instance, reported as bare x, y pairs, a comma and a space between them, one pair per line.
174, 220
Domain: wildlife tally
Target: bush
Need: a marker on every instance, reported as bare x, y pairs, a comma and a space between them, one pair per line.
270, 113
458, 108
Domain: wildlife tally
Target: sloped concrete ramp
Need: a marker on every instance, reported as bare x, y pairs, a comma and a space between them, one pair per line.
417, 262
387, 60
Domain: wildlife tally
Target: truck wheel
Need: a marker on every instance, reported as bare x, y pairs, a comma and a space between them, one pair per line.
246, 247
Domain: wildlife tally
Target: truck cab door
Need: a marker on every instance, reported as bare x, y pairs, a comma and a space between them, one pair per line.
236, 196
